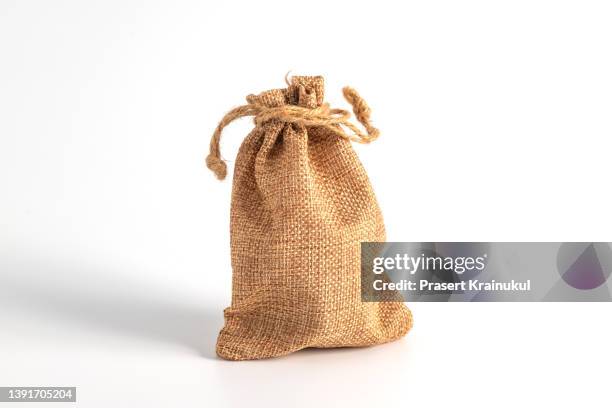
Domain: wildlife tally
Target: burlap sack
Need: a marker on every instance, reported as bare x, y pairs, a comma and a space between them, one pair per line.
301, 205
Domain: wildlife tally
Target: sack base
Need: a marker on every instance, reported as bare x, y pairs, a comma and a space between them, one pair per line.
249, 338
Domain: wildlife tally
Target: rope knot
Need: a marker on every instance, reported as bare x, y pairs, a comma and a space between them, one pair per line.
334, 120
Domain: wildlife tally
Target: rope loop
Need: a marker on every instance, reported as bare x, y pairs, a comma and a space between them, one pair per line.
335, 120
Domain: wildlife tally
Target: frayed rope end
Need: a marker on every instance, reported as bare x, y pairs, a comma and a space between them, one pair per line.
217, 166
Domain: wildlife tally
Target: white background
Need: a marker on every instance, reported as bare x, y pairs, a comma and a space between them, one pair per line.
114, 238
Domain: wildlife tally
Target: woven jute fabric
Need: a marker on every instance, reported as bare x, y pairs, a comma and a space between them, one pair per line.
301, 205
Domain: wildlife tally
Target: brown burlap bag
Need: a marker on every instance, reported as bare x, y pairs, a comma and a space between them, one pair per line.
301, 205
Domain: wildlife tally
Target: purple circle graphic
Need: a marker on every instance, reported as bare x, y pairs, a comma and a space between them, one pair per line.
584, 265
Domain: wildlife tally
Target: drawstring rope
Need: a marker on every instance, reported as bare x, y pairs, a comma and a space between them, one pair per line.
323, 116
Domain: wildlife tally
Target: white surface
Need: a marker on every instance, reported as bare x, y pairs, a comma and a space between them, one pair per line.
114, 260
